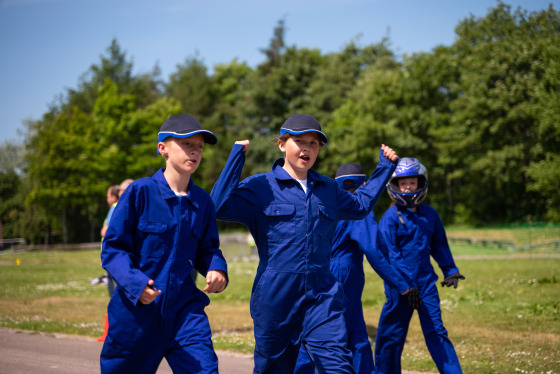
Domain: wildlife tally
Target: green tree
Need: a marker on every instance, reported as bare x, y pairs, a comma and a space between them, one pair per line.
12, 194
275, 48
10, 203
398, 104
228, 83
12, 157
503, 119
146, 88
61, 182
338, 76
191, 86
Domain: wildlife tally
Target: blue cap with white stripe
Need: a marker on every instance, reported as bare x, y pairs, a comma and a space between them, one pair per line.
350, 176
298, 124
184, 126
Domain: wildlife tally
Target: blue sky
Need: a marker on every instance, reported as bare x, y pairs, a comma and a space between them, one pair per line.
46, 45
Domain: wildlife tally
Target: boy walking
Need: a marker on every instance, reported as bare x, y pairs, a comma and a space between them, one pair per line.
292, 211
162, 228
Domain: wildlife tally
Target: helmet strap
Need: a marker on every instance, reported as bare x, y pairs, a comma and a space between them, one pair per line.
400, 216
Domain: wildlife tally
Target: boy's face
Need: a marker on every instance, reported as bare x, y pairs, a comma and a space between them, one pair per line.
183, 154
300, 153
408, 185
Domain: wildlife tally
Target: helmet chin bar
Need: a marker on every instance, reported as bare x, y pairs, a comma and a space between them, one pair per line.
408, 200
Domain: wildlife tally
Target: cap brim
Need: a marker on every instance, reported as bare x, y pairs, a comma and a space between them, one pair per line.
209, 138
357, 179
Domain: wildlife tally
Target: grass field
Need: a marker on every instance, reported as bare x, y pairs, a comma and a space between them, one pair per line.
504, 318
536, 237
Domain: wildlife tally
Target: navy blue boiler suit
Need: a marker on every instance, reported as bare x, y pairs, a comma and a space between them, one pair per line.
157, 235
408, 247
295, 298
353, 239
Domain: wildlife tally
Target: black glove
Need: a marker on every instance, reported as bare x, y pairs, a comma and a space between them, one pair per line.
414, 300
452, 280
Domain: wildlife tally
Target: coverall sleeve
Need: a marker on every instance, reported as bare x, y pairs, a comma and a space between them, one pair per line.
208, 255
361, 202
364, 233
386, 242
440, 250
118, 256
233, 199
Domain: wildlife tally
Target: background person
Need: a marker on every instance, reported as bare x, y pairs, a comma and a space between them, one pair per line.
113, 194
409, 234
112, 198
124, 185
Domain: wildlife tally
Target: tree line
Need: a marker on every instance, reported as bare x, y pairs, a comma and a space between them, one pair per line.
483, 115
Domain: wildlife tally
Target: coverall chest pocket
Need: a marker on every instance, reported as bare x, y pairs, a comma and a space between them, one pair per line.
327, 221
153, 237
188, 252
280, 220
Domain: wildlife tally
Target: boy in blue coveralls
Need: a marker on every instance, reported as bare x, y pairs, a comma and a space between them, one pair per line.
353, 239
162, 227
292, 212
409, 233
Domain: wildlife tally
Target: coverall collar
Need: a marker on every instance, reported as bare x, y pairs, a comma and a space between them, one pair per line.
281, 174
419, 209
167, 192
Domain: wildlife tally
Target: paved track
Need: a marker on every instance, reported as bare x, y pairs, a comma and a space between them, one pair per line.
24, 352
28, 352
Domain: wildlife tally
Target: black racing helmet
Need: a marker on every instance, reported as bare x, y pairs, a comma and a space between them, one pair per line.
408, 167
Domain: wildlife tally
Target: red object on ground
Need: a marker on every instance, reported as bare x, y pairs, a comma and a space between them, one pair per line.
102, 338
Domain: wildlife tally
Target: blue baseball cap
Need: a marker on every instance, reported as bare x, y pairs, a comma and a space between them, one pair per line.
350, 176
298, 124
184, 126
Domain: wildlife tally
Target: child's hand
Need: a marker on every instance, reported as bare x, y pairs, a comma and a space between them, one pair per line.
150, 293
389, 153
414, 299
216, 281
244, 143
452, 280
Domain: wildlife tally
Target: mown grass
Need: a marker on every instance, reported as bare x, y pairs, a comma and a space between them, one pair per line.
541, 237
504, 318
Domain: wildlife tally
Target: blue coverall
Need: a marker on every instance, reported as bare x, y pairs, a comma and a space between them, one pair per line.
408, 246
353, 239
295, 298
155, 234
